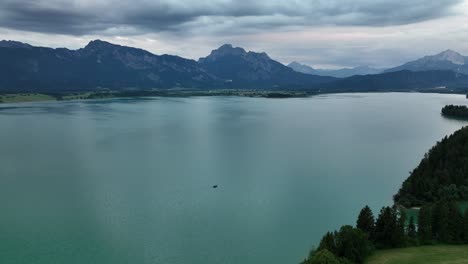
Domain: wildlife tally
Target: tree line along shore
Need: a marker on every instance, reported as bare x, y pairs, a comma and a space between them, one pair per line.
430, 209
109, 94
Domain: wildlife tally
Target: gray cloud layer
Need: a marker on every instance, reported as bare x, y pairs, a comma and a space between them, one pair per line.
81, 17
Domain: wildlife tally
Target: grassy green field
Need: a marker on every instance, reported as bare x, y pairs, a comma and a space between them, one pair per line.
24, 97
422, 255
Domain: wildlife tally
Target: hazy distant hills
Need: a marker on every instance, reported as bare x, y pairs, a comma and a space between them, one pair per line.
105, 65
339, 73
403, 81
447, 60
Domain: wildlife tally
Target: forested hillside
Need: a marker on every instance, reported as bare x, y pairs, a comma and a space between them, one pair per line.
442, 174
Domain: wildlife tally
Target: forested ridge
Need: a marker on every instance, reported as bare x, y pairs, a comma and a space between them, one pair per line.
442, 174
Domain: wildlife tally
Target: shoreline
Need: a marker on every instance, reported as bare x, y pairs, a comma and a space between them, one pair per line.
30, 97
24, 97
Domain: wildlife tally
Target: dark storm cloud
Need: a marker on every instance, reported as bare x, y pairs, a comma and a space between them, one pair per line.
26, 15
80, 17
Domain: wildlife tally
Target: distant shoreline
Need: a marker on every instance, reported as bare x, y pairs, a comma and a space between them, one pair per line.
68, 96
24, 97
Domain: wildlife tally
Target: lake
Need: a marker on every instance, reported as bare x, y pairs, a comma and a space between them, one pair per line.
131, 180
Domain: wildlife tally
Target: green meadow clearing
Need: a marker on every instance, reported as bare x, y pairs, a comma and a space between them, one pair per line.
38, 97
447, 254
25, 97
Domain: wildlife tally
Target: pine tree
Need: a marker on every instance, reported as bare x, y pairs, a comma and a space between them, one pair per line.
411, 228
465, 227
401, 238
386, 234
328, 242
353, 244
425, 225
349, 244
440, 221
366, 221
454, 224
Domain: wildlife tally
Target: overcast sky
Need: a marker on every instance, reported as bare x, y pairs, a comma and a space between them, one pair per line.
320, 33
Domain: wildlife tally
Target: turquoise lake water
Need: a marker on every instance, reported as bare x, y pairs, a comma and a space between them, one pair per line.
130, 180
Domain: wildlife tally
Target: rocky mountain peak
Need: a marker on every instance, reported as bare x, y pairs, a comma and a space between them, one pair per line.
228, 49
223, 51
452, 56
99, 44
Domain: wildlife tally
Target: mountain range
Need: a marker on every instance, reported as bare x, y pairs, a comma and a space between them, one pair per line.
103, 65
447, 60
99, 64
338, 73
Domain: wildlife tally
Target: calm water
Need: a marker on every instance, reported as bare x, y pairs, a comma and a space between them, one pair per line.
130, 181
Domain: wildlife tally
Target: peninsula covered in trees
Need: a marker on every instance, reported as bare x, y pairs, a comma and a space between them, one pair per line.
456, 111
